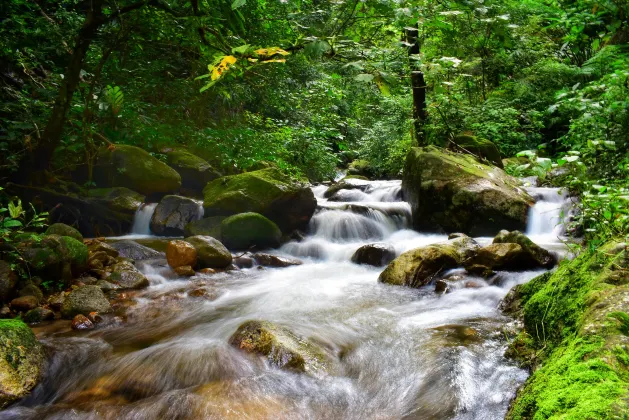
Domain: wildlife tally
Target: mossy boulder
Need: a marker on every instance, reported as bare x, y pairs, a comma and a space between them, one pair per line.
288, 203
479, 147
281, 347
55, 258
211, 253
173, 213
542, 257
126, 276
62, 229
575, 340
134, 168
117, 199
360, 167
247, 230
22, 360
195, 172
208, 226
83, 300
451, 192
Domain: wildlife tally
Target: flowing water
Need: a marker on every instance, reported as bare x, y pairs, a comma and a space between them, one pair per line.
403, 353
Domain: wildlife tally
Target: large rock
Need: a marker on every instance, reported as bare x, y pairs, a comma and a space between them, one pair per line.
418, 267
542, 257
455, 193
173, 213
377, 255
62, 229
210, 252
83, 300
126, 276
287, 203
132, 167
55, 258
121, 204
479, 147
195, 172
248, 230
281, 347
135, 251
209, 226
181, 253
21, 361
500, 256
8, 279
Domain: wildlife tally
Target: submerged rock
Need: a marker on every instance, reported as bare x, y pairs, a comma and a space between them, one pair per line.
211, 253
281, 347
21, 361
62, 229
173, 213
542, 257
287, 203
194, 171
132, 167
455, 193
377, 255
181, 253
478, 147
135, 251
184, 271
83, 300
248, 230
269, 260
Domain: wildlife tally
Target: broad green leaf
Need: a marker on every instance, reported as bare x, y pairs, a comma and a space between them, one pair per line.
10, 223
364, 77
238, 3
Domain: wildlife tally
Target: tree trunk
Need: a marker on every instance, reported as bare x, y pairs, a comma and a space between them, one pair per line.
418, 86
54, 129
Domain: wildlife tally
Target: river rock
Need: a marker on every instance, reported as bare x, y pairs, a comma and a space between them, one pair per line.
455, 193
248, 230
55, 258
135, 251
21, 361
184, 271
173, 213
37, 315
195, 172
210, 252
83, 300
181, 253
126, 276
82, 323
24, 303
334, 189
377, 255
281, 347
542, 257
360, 167
287, 203
129, 166
29, 288
479, 147
117, 199
8, 279
62, 229
209, 226
500, 256
417, 267
269, 260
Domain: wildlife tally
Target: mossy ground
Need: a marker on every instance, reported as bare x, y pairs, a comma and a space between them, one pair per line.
575, 341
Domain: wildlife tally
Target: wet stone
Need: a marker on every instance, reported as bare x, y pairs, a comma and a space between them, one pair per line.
82, 323
184, 271
24, 303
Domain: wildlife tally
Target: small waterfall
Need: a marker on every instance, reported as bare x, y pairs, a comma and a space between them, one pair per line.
546, 216
142, 220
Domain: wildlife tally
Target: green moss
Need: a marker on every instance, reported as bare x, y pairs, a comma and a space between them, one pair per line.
575, 338
360, 167
119, 199
480, 147
246, 230
77, 251
62, 229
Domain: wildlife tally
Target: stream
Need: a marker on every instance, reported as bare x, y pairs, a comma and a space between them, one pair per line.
404, 353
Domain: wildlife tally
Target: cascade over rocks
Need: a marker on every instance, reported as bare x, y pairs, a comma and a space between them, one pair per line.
281, 347
247, 230
269, 260
288, 203
451, 192
172, 214
22, 361
479, 147
210, 253
135, 168
195, 172
377, 255
418, 267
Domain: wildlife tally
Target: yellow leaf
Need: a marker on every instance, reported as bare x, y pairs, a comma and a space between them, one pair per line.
271, 51
278, 60
252, 60
223, 66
